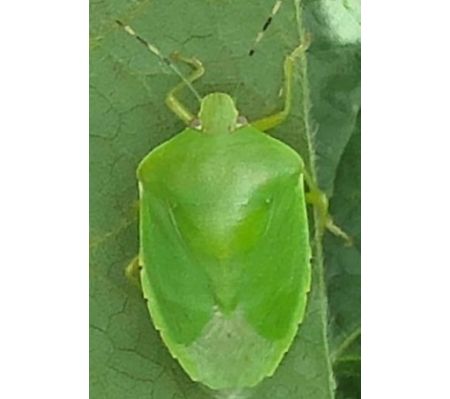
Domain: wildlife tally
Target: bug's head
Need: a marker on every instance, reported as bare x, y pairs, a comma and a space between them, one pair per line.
218, 114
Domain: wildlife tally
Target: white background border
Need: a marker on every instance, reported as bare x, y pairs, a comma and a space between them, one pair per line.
44, 200
405, 199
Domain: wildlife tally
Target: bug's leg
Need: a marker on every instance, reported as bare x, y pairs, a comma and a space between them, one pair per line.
273, 120
172, 101
319, 200
132, 271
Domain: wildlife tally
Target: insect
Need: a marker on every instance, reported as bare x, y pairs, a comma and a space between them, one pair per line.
224, 242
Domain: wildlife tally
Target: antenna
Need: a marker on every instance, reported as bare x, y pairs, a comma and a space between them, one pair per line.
153, 49
275, 9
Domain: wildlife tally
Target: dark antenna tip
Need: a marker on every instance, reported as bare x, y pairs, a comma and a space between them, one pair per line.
276, 7
120, 23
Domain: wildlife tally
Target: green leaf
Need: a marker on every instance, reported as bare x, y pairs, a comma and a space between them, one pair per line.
129, 118
335, 75
343, 273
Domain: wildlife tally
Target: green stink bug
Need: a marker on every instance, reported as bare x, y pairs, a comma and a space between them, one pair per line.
224, 241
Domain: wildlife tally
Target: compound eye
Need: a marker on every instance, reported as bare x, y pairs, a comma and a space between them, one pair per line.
196, 124
241, 121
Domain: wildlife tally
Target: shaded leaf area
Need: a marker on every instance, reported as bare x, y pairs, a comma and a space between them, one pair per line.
348, 373
129, 118
334, 73
344, 273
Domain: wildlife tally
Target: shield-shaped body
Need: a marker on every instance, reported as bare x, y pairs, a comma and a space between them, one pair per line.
225, 252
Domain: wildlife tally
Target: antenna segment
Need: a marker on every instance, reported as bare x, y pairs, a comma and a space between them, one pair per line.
154, 50
266, 25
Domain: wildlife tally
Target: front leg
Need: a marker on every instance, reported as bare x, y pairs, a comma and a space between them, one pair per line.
271, 121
